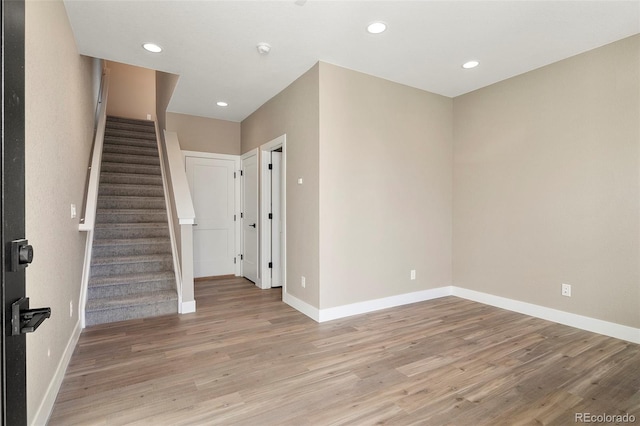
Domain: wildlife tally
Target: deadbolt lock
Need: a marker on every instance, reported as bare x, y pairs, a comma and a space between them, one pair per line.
21, 254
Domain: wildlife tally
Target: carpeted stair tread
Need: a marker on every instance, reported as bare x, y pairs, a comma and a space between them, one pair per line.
126, 186
114, 148
128, 241
124, 189
127, 120
132, 198
130, 134
116, 123
130, 202
128, 278
111, 157
144, 143
126, 311
122, 260
131, 300
137, 178
131, 211
131, 225
144, 169
132, 262
131, 230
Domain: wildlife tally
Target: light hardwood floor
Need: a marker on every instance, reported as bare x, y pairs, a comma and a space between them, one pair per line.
246, 358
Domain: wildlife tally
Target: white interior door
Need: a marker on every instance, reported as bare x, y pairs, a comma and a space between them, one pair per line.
276, 221
213, 192
249, 219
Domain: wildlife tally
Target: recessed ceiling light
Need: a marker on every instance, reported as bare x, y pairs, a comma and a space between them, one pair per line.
152, 47
376, 27
222, 104
470, 64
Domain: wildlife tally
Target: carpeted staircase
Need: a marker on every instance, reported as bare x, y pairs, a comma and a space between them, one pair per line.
132, 272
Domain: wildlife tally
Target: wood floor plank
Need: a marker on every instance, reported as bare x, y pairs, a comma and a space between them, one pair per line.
246, 358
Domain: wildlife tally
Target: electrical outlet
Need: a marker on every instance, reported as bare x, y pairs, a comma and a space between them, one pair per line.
566, 290
74, 213
413, 274
303, 282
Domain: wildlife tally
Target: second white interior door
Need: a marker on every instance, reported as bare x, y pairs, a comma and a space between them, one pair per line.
213, 192
250, 221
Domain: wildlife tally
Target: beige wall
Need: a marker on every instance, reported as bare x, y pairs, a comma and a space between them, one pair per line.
132, 91
385, 188
205, 134
294, 111
59, 131
546, 187
165, 85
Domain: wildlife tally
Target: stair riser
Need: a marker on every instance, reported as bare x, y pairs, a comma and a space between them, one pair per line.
131, 203
131, 218
131, 249
131, 168
131, 312
129, 134
121, 125
131, 268
129, 289
134, 150
134, 191
136, 179
130, 159
110, 233
143, 143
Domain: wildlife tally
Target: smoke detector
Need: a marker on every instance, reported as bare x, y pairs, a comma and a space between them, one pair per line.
264, 48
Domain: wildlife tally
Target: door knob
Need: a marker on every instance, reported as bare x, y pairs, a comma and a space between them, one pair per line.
253, 225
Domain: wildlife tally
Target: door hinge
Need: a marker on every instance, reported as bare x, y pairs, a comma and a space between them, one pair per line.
270, 265
241, 257
270, 215
241, 215
234, 217
270, 166
234, 260
241, 173
234, 175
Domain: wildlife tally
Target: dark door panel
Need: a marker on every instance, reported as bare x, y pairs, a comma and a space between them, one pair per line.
14, 386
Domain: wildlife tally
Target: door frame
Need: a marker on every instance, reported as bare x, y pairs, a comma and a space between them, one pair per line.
265, 194
237, 196
244, 156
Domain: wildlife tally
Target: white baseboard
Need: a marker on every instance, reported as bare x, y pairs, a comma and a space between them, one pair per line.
46, 406
297, 304
382, 303
188, 307
606, 328
574, 320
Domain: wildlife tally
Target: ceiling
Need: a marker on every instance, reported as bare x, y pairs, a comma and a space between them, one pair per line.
212, 44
